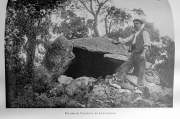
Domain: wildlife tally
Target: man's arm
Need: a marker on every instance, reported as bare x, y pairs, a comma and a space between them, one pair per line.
147, 43
144, 51
123, 41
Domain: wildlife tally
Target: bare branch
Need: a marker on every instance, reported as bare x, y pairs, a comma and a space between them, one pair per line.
98, 2
100, 5
86, 6
104, 2
91, 7
106, 26
110, 25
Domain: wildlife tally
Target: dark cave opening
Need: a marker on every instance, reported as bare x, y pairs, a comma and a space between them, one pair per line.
90, 64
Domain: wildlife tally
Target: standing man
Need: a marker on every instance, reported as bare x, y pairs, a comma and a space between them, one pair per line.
139, 43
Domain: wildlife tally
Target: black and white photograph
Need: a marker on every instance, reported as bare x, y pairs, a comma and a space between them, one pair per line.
89, 54
89, 59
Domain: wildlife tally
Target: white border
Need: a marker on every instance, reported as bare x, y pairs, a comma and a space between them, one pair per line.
167, 113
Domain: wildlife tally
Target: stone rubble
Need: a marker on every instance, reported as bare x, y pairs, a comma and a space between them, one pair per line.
105, 95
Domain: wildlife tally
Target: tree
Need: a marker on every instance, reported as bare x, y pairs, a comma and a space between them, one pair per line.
115, 17
71, 26
138, 12
154, 33
89, 24
154, 54
24, 23
118, 20
94, 7
27, 20
122, 33
168, 64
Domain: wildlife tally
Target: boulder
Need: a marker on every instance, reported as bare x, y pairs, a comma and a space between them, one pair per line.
98, 44
78, 85
115, 58
148, 65
132, 78
58, 90
152, 79
58, 56
155, 96
98, 91
162, 91
64, 79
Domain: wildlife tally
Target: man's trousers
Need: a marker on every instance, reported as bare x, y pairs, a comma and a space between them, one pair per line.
139, 67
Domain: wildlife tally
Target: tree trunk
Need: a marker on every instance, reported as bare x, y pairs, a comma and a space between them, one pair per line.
10, 86
30, 56
110, 25
95, 26
106, 26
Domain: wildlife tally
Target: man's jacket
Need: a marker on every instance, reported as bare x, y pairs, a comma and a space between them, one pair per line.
140, 43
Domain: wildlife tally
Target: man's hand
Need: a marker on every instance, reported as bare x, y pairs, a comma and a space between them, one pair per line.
119, 41
142, 56
112, 40
115, 42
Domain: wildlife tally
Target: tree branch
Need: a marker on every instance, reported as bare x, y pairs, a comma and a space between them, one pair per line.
110, 25
46, 44
104, 2
98, 9
100, 5
86, 7
98, 2
91, 7
106, 26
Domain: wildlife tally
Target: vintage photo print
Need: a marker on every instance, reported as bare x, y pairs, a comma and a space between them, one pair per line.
89, 54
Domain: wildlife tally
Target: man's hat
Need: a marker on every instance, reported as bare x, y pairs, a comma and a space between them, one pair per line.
138, 20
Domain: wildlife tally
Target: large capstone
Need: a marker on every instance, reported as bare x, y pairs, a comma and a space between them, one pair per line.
91, 58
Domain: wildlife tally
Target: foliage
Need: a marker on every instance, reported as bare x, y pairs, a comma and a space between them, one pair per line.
123, 33
139, 12
164, 51
166, 69
154, 33
154, 53
115, 18
25, 21
94, 7
71, 26
25, 18
29, 99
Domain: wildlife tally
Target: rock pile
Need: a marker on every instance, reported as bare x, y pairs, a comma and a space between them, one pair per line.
103, 94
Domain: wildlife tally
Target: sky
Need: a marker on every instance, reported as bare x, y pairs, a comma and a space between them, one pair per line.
156, 11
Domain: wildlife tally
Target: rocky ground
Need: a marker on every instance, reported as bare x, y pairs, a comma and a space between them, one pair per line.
89, 92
